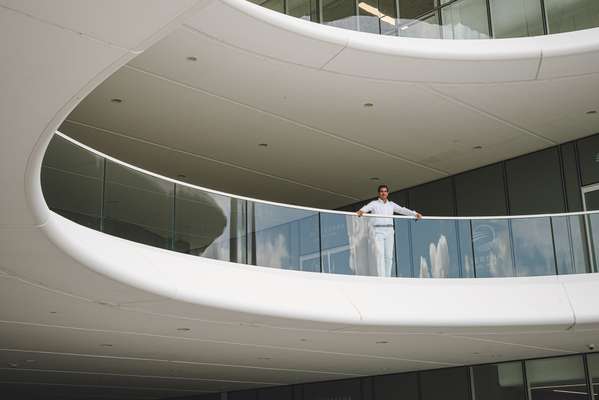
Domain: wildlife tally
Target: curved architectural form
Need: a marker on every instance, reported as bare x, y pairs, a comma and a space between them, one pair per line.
86, 314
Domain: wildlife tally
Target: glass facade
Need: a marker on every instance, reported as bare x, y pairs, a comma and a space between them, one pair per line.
121, 201
446, 19
572, 377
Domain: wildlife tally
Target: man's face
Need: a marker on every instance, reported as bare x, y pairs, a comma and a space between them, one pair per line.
383, 194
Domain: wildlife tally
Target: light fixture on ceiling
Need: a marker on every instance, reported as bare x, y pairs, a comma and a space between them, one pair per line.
13, 365
592, 112
53, 312
591, 346
303, 340
374, 178
368, 105
477, 147
263, 145
30, 361
183, 329
105, 345
116, 100
377, 13
192, 58
382, 342
264, 358
181, 176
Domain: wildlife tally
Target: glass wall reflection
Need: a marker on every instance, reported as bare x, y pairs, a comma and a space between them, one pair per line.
571, 15
503, 381
492, 244
570, 241
516, 18
138, 206
557, 379
465, 19
533, 247
281, 237
435, 249
210, 225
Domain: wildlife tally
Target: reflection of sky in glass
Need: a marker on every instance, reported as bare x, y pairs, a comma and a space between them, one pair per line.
492, 250
435, 249
533, 247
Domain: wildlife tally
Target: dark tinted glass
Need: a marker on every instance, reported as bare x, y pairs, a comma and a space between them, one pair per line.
447, 384
276, 393
403, 248
243, 395
275, 5
210, 225
571, 177
347, 389
570, 243
593, 360
412, 9
535, 184
72, 182
533, 246
560, 378
435, 198
282, 237
138, 206
340, 13
305, 9
499, 382
566, 16
481, 192
491, 240
393, 387
588, 151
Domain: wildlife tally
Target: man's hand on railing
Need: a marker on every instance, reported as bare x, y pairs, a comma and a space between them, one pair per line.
360, 213
418, 216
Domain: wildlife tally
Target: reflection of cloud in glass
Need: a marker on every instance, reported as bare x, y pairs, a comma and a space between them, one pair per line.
272, 253
492, 249
362, 259
439, 258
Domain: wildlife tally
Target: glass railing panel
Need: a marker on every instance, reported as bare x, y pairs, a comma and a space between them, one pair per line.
571, 15
533, 247
516, 18
340, 13
492, 246
465, 248
403, 248
72, 181
557, 378
349, 246
571, 246
210, 225
282, 237
426, 27
465, 19
138, 206
592, 228
593, 361
435, 249
304, 9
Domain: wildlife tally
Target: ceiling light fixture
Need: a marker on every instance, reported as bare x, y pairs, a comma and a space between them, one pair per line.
477, 147
264, 358
192, 58
592, 112
368, 105
382, 342
263, 144
116, 100
374, 178
105, 345
181, 176
53, 312
13, 365
183, 329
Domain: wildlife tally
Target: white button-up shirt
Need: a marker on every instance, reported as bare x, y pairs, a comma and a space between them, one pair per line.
381, 207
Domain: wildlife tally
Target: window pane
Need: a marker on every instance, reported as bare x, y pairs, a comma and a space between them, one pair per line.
403, 247
588, 152
368, 20
557, 379
481, 192
592, 222
435, 198
304, 9
533, 247
492, 248
138, 206
516, 18
210, 225
465, 19
435, 249
413, 9
499, 381
282, 237
426, 27
349, 246
276, 393
467, 258
570, 244
447, 384
275, 5
571, 15
346, 389
340, 13
593, 360
389, 20
71, 179
393, 387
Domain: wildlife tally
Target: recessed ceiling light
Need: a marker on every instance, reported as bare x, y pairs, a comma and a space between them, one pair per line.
368, 105
592, 112
192, 58
477, 147
374, 178
303, 340
29, 361
13, 365
263, 144
382, 342
181, 176
264, 358
53, 312
105, 345
183, 329
116, 100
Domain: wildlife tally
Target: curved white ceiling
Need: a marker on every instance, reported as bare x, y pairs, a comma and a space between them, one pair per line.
69, 332
263, 77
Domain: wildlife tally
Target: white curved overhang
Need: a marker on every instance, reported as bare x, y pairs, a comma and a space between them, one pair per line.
239, 313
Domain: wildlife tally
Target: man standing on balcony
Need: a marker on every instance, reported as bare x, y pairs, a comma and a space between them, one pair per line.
384, 234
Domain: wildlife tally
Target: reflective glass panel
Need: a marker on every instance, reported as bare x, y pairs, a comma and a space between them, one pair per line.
446, 384
557, 379
403, 247
533, 246
281, 237
413, 9
138, 206
571, 15
354, 246
396, 386
368, 16
210, 225
593, 360
516, 18
388, 21
435, 249
304, 9
492, 248
426, 27
499, 381
465, 243
71, 181
340, 13
570, 243
592, 224
275, 5
465, 19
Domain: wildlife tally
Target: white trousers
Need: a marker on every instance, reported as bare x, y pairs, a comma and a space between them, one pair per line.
384, 243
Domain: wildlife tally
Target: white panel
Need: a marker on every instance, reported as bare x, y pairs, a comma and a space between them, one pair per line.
571, 53
123, 23
584, 297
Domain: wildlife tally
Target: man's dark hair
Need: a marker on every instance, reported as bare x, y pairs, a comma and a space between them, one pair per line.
381, 187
